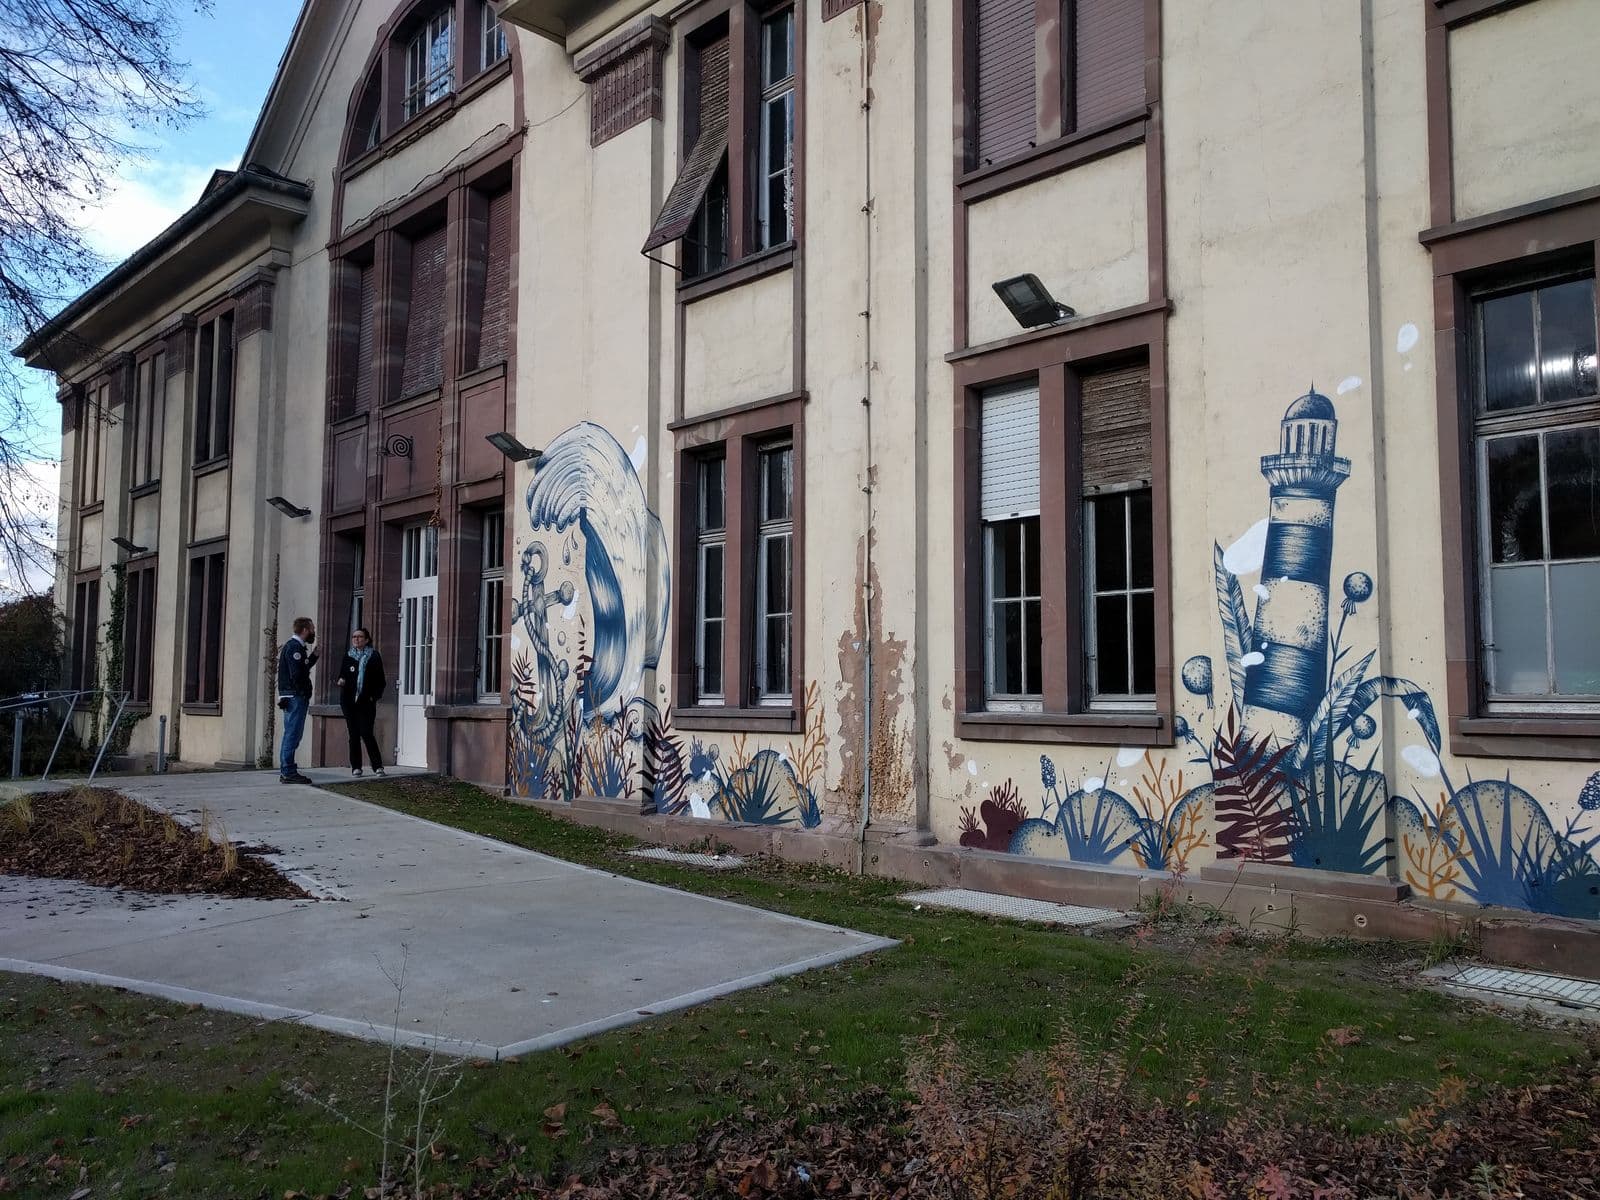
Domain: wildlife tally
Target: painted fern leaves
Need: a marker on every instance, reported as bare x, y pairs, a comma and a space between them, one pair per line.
1237, 635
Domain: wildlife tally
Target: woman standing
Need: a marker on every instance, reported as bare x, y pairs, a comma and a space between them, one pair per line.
361, 684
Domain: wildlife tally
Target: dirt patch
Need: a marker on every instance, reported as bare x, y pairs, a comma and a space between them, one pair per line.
94, 835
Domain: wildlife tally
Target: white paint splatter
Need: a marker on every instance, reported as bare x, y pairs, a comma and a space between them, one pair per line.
1408, 366
1122, 783
1245, 555
1260, 589
699, 807
972, 766
1408, 337
641, 451
1254, 659
570, 612
1423, 759
1093, 784
1412, 713
1129, 755
1349, 384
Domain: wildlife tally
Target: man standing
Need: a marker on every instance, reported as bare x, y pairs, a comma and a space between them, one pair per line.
295, 661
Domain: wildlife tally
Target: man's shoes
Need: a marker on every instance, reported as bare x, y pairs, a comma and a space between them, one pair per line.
295, 778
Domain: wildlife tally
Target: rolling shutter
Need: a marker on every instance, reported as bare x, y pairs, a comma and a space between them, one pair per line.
492, 339
424, 359
366, 333
1109, 74
1010, 457
683, 201
1116, 427
1005, 107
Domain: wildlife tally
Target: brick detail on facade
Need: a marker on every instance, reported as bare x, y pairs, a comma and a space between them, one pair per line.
179, 339
625, 80
253, 305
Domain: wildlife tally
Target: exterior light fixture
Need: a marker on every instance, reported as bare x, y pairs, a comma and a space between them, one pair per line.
511, 448
286, 508
127, 544
1030, 302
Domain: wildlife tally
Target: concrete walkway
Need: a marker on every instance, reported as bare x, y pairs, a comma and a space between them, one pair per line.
504, 951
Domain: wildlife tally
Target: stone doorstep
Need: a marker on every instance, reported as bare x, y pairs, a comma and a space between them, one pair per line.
1505, 936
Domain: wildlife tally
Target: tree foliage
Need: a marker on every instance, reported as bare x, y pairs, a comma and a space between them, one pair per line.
80, 82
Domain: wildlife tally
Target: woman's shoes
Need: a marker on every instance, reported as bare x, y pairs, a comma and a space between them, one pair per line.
379, 772
356, 772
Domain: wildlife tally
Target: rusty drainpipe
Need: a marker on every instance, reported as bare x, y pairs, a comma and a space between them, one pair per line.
867, 482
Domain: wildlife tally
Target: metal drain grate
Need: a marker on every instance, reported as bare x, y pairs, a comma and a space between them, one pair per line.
713, 862
1525, 985
1014, 907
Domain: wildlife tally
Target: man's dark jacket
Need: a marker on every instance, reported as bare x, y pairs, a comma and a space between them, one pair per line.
295, 661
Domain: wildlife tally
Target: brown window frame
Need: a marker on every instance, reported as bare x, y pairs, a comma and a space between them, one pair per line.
1470, 257
1058, 360
83, 663
208, 446
139, 630
738, 435
147, 414
90, 462
742, 20
205, 625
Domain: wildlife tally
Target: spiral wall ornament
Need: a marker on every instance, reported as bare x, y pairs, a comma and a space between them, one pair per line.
397, 446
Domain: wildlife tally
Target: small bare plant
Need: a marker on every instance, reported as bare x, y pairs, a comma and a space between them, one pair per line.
202, 831
19, 815
230, 852
170, 833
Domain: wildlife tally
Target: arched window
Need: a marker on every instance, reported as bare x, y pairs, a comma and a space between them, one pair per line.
430, 62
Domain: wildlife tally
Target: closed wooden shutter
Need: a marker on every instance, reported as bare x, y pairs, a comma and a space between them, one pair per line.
493, 342
424, 359
1116, 427
1005, 108
1010, 454
710, 148
366, 337
1109, 59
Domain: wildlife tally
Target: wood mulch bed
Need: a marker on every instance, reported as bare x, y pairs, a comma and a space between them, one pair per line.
95, 835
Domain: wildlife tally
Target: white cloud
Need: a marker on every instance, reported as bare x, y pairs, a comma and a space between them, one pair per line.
144, 199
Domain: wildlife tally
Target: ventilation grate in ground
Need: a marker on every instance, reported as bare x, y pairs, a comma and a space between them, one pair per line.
712, 862
1015, 908
1581, 994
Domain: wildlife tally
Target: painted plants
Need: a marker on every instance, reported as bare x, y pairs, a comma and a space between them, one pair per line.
1290, 769
588, 631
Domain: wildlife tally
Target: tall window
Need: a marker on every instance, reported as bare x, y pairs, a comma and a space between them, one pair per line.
147, 419
213, 399
775, 157
774, 574
358, 582
208, 577
710, 558
1537, 430
1009, 509
492, 41
138, 629
91, 440
491, 604
430, 63
85, 667
705, 246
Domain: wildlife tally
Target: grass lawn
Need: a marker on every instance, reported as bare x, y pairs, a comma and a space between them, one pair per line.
186, 1102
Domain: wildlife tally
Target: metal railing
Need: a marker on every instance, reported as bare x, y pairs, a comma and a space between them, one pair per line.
21, 705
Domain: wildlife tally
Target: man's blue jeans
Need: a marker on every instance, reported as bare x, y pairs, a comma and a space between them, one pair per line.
294, 728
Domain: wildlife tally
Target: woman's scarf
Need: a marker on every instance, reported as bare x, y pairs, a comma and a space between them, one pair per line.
361, 657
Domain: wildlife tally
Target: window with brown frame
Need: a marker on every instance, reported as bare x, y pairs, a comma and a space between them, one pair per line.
95, 411
84, 662
735, 193
208, 578
739, 573
1096, 77
147, 419
423, 360
430, 62
487, 278
139, 629
213, 395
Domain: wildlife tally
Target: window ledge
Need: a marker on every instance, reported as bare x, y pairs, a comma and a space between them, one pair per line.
89, 510
1092, 728
145, 489
767, 720
483, 710
1507, 736
1070, 150
202, 710
211, 466
414, 400
746, 270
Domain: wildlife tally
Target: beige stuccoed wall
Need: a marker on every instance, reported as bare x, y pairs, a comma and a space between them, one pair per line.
738, 345
1524, 105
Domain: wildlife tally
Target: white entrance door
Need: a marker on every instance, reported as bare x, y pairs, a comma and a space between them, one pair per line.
419, 599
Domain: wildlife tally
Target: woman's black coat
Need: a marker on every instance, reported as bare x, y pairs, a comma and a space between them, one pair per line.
372, 686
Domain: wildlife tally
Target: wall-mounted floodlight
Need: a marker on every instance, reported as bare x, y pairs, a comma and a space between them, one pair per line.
511, 448
122, 543
286, 508
1030, 302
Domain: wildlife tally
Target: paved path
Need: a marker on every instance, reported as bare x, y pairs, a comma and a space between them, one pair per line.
505, 951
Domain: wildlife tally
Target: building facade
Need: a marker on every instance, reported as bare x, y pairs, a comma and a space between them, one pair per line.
1134, 435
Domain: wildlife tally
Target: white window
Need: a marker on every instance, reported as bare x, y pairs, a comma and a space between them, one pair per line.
493, 39
711, 548
774, 574
775, 165
491, 605
430, 63
1009, 509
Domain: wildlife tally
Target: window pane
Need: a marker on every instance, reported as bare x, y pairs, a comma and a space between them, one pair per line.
1566, 341
711, 494
1110, 543
1030, 556
1508, 352
1575, 615
1515, 517
711, 582
777, 580
1519, 659
776, 657
1008, 648
1572, 473
1144, 643
711, 659
1031, 648
1142, 537
777, 471
1007, 558
778, 60
1111, 645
